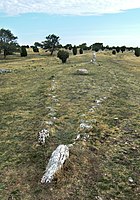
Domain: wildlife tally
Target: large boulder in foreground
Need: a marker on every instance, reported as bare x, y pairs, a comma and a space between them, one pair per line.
56, 162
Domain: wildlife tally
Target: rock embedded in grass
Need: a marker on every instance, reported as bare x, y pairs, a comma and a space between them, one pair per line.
3, 71
56, 162
82, 71
85, 126
130, 180
42, 135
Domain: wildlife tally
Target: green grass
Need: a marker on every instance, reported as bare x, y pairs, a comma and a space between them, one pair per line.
101, 166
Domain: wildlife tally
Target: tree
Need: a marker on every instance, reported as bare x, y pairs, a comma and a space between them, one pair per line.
51, 43
23, 51
63, 55
68, 46
8, 43
123, 48
74, 50
35, 49
97, 46
114, 51
107, 47
81, 51
137, 52
118, 49
83, 46
37, 44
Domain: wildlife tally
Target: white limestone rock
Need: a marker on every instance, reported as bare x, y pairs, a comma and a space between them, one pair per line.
2, 71
85, 126
56, 162
82, 71
42, 135
93, 60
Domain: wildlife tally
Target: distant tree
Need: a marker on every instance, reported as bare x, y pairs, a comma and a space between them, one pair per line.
137, 52
51, 43
113, 48
130, 48
68, 46
118, 49
97, 46
123, 48
83, 46
26, 46
60, 46
89, 47
23, 52
107, 47
63, 55
8, 43
37, 44
81, 51
35, 49
114, 52
74, 50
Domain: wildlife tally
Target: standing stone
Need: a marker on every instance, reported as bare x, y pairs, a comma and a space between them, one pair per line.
93, 58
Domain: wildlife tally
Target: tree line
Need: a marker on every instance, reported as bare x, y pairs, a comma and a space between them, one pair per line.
8, 45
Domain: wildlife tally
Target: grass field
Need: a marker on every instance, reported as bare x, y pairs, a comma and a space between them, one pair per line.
40, 90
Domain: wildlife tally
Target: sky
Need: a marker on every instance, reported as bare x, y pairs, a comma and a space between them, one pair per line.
112, 22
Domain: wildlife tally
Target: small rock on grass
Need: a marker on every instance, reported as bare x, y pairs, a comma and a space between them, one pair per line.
82, 71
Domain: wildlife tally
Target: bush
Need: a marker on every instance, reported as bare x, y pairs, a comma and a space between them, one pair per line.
81, 51
118, 49
137, 52
8, 52
23, 51
63, 55
123, 48
97, 46
35, 49
114, 52
74, 50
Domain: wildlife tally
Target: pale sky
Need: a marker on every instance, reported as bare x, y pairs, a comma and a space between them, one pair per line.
113, 22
